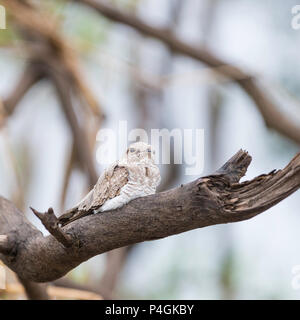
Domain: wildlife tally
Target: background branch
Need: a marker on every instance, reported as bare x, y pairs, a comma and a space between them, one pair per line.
29, 77
35, 291
52, 292
48, 50
273, 117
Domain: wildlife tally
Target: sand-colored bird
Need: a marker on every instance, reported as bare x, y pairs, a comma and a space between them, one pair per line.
134, 175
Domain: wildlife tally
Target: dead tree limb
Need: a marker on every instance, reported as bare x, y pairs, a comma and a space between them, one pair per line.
215, 199
51, 223
270, 112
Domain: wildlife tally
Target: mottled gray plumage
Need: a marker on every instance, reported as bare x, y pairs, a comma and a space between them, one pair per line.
134, 175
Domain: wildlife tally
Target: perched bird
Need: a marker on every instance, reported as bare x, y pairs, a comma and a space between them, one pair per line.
134, 175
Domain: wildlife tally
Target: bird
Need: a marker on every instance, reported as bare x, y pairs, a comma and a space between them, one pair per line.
134, 175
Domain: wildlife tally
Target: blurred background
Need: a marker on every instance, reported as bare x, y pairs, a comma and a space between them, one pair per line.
70, 68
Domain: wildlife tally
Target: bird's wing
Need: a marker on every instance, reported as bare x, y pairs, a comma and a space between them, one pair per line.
107, 187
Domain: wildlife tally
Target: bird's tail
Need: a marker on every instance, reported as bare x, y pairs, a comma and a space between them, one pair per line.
69, 216
79, 211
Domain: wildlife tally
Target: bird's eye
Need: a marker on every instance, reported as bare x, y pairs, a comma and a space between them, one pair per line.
149, 150
131, 149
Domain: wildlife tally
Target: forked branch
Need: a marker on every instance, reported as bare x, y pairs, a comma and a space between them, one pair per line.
218, 198
51, 223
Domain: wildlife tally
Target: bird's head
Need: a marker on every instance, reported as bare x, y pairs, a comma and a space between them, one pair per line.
140, 152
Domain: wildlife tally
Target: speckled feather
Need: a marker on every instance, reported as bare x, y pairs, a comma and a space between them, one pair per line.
134, 175
107, 187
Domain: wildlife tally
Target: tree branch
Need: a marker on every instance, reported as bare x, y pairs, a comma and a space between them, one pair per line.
43, 30
30, 76
273, 117
80, 138
35, 291
115, 261
51, 223
70, 284
210, 200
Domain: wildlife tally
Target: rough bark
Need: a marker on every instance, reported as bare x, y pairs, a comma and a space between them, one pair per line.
218, 198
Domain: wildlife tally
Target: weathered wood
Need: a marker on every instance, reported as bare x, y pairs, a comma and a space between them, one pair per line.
214, 199
51, 223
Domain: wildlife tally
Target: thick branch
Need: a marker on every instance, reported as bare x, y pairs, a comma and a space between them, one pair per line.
273, 117
210, 200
